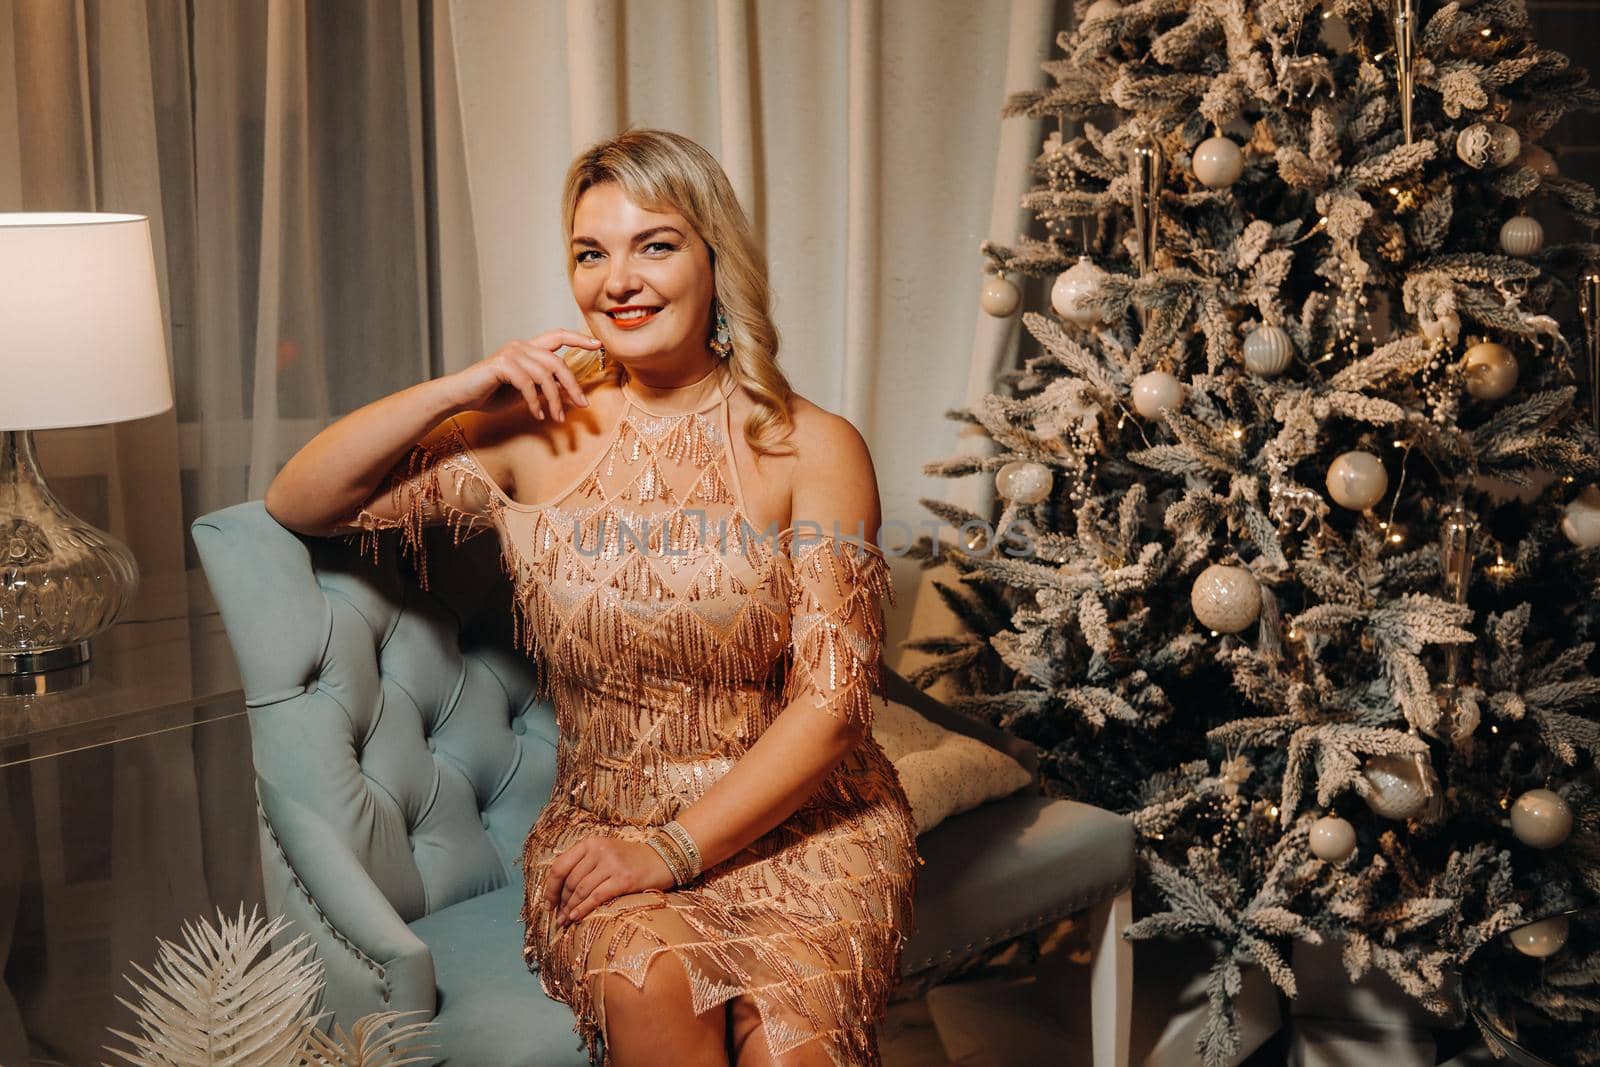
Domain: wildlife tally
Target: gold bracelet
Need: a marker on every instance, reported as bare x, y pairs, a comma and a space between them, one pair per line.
675, 863
678, 833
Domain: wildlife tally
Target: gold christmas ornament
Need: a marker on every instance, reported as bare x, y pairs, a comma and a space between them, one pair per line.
1491, 370
1541, 939
1541, 818
1357, 480
1226, 598
1537, 159
1147, 165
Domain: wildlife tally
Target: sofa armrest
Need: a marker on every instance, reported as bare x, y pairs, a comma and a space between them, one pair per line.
324, 887
901, 691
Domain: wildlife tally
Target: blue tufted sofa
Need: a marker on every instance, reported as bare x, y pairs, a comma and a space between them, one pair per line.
400, 758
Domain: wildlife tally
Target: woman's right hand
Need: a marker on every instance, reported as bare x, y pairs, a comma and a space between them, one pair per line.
524, 372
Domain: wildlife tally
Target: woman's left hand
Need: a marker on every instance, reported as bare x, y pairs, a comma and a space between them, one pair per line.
599, 868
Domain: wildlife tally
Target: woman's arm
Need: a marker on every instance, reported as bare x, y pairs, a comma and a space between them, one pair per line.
338, 472
837, 600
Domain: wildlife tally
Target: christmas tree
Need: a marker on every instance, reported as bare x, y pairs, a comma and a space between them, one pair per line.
1297, 557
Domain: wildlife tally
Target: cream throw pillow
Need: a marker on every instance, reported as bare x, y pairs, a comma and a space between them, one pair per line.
944, 773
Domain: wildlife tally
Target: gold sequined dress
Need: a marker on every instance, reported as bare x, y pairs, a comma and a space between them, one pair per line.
669, 633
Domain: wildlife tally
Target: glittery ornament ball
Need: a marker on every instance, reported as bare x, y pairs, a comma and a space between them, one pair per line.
1491, 370
1023, 481
1357, 480
1156, 391
1101, 8
1521, 235
1399, 788
1218, 162
1541, 818
1581, 523
1541, 939
1333, 839
1267, 351
1000, 296
1080, 281
1226, 598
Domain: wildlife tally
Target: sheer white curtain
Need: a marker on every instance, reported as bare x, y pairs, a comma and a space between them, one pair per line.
863, 137
282, 151
350, 197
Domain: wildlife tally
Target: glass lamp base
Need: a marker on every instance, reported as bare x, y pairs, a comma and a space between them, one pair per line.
61, 580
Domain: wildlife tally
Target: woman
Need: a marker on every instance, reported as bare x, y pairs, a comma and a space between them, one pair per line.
695, 575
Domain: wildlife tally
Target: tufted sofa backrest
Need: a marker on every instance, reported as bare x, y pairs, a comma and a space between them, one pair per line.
404, 719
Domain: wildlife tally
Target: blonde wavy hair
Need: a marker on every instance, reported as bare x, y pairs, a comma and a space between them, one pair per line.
657, 169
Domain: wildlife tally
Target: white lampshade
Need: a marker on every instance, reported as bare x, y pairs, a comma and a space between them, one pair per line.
81, 338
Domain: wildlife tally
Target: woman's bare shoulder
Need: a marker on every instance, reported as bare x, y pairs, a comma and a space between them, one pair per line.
832, 480
822, 435
513, 440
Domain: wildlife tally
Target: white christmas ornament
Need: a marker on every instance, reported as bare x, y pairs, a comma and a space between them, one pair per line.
1541, 818
1400, 789
1023, 481
1521, 236
1082, 279
1357, 480
1543, 938
1267, 351
1333, 839
1539, 160
1218, 162
1156, 391
1000, 297
1226, 598
1488, 144
1581, 523
1491, 370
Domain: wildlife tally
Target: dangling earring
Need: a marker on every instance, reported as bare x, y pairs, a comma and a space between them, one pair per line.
721, 337
602, 351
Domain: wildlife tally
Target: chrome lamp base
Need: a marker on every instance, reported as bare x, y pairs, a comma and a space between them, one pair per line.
61, 580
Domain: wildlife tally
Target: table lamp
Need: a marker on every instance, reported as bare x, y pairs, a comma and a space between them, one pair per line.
81, 343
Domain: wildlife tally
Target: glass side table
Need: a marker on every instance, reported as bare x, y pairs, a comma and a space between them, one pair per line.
1547, 961
127, 809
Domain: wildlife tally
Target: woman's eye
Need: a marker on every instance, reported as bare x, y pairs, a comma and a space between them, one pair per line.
582, 257
664, 246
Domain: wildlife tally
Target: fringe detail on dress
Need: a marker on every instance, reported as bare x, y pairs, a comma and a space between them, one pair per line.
419, 500
837, 626
669, 633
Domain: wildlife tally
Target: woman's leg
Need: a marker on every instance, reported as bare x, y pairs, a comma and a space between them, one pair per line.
656, 1025
747, 1041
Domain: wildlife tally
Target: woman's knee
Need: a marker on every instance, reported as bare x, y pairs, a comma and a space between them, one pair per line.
665, 997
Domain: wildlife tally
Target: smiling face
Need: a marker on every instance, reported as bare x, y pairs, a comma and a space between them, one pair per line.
641, 278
